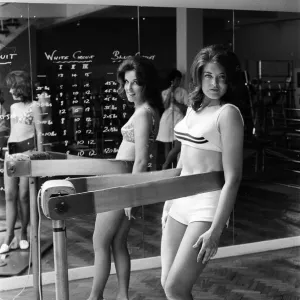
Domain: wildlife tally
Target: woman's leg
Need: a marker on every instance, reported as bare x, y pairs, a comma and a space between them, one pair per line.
185, 269
106, 226
11, 195
122, 258
171, 238
24, 205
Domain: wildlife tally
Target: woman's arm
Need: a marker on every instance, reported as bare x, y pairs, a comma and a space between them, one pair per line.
172, 155
11, 123
142, 123
169, 97
37, 118
142, 127
168, 203
232, 137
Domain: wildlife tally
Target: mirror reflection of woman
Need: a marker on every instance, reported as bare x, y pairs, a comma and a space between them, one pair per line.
137, 78
25, 134
175, 101
211, 135
4, 123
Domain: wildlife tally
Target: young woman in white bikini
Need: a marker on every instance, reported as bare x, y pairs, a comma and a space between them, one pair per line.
138, 84
25, 136
211, 135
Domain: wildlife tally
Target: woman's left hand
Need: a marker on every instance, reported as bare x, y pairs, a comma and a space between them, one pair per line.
209, 242
128, 213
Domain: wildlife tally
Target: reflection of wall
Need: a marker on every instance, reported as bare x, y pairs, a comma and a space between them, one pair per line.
101, 37
214, 32
189, 39
277, 41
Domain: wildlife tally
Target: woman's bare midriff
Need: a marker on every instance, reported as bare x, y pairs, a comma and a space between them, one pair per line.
197, 161
126, 151
21, 132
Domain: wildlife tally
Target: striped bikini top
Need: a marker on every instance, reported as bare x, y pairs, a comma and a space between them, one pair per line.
205, 134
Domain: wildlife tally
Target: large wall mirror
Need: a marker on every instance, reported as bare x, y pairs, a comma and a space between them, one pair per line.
72, 53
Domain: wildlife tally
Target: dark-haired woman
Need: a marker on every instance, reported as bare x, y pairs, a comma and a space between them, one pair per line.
211, 135
137, 79
25, 136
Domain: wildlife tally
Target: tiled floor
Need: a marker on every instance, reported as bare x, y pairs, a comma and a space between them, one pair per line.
265, 276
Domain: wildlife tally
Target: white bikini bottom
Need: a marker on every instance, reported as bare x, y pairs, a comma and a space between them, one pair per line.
199, 207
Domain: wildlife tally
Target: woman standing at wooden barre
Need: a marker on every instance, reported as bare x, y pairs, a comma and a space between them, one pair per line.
211, 136
25, 136
137, 79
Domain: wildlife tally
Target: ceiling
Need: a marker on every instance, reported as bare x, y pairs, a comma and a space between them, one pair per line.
260, 5
46, 15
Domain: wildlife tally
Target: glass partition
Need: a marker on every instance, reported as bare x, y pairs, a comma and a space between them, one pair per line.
269, 195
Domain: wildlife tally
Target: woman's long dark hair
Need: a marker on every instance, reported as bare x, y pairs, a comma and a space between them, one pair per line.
228, 60
146, 75
20, 83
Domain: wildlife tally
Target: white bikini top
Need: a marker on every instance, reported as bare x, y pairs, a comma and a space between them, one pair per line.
205, 134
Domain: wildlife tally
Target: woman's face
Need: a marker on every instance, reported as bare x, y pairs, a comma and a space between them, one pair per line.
134, 92
214, 84
176, 82
14, 96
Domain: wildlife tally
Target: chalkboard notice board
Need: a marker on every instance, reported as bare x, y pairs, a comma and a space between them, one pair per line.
78, 126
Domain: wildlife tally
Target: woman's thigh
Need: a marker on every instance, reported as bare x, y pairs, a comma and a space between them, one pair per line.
185, 269
172, 235
24, 188
121, 234
10, 183
106, 226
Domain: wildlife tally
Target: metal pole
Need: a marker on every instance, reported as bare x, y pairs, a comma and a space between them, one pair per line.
34, 218
139, 30
60, 260
233, 32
